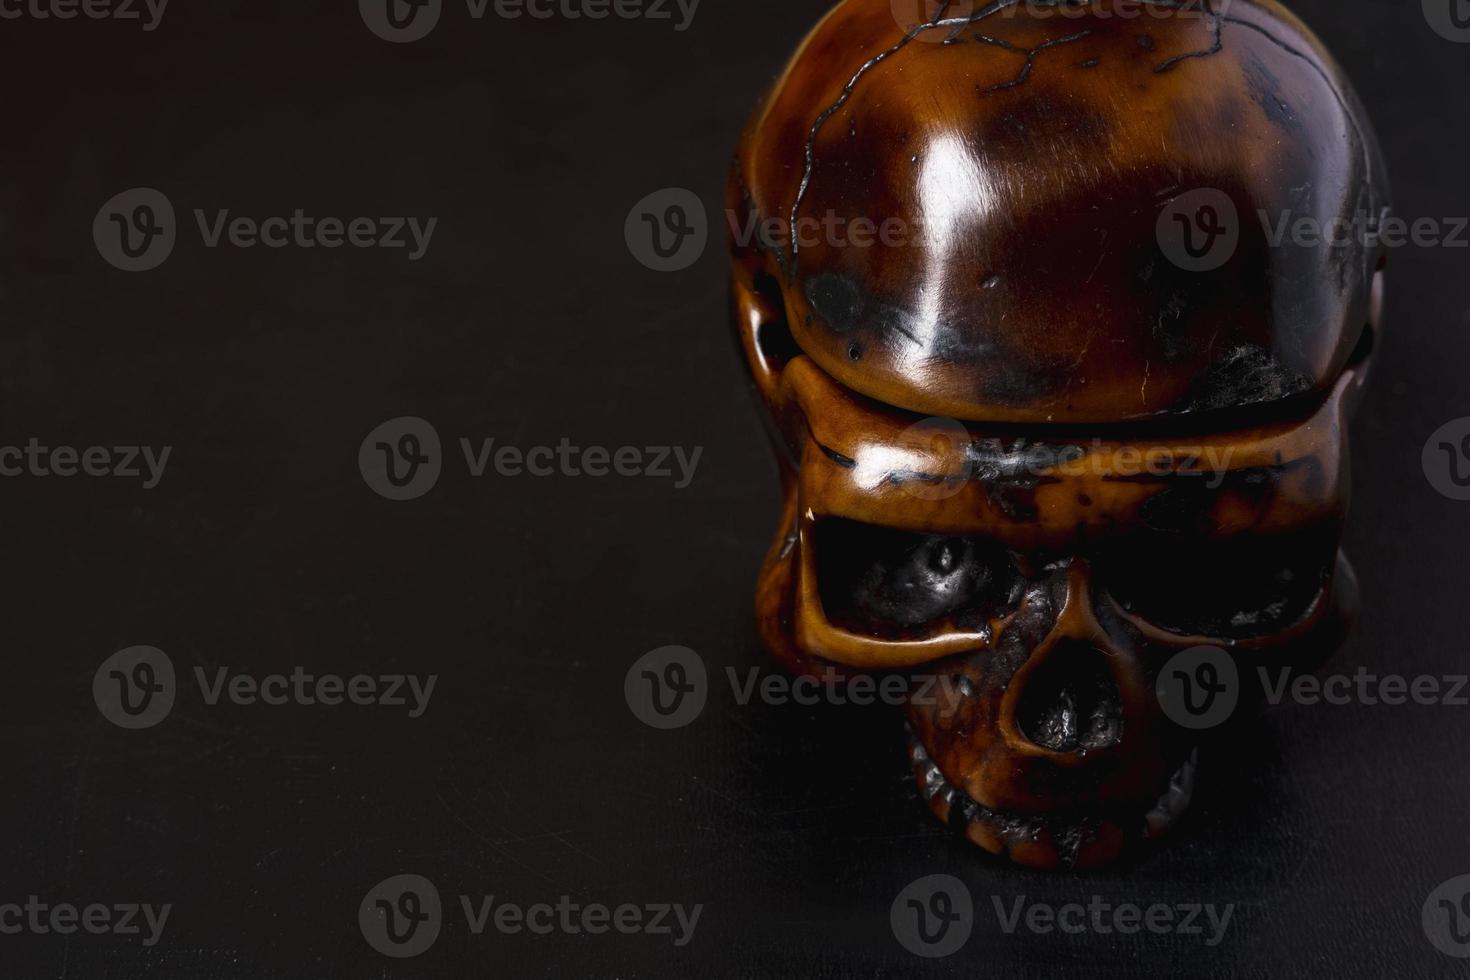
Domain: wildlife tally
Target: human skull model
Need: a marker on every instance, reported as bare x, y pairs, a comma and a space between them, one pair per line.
1059, 389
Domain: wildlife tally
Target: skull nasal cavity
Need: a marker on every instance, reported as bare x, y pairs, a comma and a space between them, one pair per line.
1071, 702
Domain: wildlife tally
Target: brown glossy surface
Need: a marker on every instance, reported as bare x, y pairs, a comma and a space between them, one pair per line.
1019, 160
1134, 460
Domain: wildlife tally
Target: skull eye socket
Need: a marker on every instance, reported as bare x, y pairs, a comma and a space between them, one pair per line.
904, 585
1230, 589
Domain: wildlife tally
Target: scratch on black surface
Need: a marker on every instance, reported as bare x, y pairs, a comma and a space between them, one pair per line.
498, 846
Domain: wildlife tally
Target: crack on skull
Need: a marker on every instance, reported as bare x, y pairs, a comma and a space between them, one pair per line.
1218, 45
1030, 54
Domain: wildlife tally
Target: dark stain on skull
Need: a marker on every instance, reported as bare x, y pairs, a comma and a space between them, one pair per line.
957, 346
844, 306
1245, 375
1037, 125
837, 300
1265, 89
1011, 472
1188, 502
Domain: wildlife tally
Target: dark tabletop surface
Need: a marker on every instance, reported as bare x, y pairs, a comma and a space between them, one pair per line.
262, 549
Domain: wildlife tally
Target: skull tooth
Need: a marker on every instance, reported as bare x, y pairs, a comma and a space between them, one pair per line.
933, 781
964, 810
1175, 800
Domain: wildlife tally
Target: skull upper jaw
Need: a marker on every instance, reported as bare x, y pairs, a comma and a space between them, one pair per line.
992, 756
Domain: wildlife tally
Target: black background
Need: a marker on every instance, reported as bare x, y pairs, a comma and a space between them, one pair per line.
528, 320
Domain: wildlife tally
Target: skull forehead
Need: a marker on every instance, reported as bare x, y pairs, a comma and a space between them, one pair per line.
1016, 177
1061, 493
